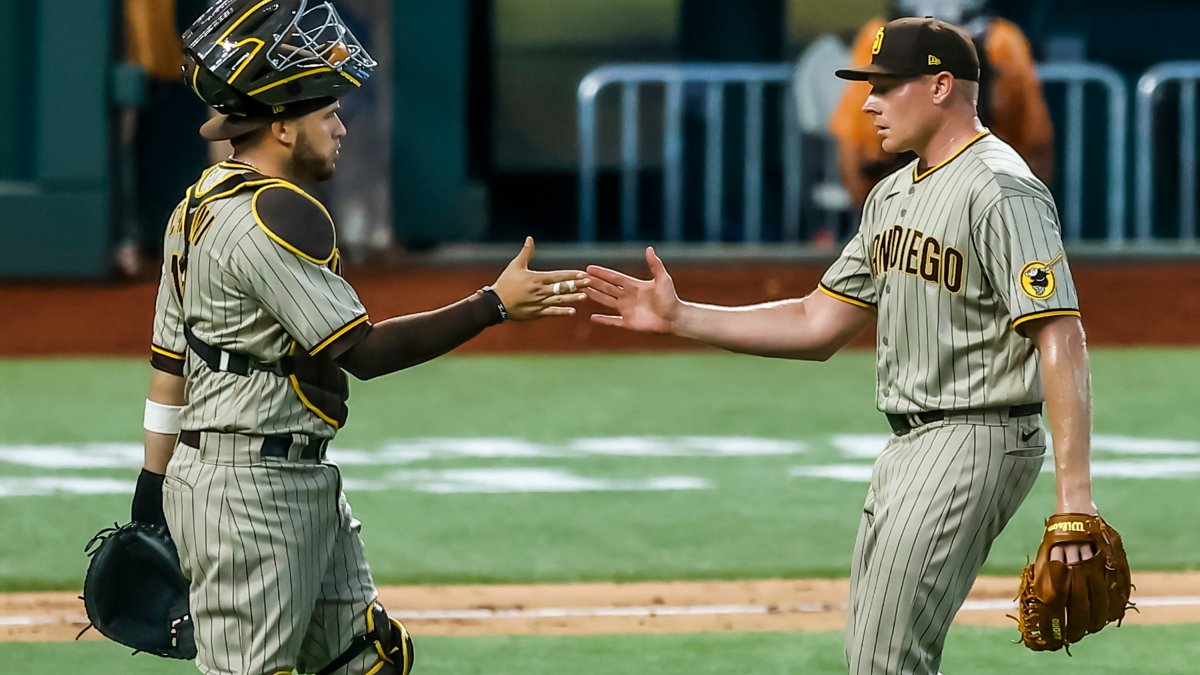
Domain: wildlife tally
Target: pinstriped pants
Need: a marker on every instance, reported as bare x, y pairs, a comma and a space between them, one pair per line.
279, 580
939, 497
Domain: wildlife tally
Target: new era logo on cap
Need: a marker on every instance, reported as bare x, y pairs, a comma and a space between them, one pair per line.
912, 46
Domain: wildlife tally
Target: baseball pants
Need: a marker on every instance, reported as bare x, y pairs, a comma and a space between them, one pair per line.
939, 497
279, 579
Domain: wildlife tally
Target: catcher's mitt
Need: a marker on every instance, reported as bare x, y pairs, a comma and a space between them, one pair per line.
1058, 604
135, 593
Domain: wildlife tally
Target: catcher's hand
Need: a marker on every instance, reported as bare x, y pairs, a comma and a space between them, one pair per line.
1061, 602
135, 593
528, 294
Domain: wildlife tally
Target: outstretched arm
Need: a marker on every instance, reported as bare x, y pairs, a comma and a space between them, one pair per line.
811, 328
519, 294
1066, 380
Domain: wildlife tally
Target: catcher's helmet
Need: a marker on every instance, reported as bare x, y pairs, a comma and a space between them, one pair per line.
258, 58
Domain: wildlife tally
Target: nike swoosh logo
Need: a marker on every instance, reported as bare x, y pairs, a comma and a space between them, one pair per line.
1025, 437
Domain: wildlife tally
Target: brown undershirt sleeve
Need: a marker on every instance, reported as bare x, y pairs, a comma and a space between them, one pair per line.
405, 341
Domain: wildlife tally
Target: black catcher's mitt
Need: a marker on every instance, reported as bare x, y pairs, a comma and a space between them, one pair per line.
135, 593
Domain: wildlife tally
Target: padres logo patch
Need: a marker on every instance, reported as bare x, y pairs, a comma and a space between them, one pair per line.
1037, 278
878, 43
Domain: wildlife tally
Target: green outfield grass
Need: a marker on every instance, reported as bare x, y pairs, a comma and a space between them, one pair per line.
590, 514
540, 502
1145, 650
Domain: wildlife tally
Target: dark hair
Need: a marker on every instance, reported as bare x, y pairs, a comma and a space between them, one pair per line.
249, 138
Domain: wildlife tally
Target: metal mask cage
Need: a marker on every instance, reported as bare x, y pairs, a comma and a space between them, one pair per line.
317, 37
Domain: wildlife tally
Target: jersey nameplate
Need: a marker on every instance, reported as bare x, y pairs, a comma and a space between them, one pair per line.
914, 253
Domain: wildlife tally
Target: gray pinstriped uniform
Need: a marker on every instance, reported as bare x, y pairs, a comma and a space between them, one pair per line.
955, 261
279, 580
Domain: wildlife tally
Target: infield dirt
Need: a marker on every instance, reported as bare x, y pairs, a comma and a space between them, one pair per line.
660, 607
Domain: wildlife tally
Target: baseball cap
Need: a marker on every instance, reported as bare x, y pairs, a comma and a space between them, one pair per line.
225, 127
913, 46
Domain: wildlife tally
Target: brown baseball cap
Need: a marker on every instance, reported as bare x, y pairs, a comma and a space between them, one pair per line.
912, 46
225, 127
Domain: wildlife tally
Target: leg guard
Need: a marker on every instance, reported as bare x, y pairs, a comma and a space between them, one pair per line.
387, 637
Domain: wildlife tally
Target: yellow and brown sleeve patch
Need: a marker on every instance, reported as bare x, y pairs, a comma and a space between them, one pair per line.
1045, 314
845, 298
166, 360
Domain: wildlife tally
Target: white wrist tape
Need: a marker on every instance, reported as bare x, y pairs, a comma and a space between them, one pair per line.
160, 418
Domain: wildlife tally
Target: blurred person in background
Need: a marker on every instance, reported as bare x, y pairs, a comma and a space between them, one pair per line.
152, 54
1011, 102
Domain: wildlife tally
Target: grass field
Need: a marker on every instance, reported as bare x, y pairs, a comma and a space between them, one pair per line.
632, 467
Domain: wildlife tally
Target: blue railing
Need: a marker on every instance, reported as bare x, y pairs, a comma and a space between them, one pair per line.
1075, 76
715, 78
1186, 73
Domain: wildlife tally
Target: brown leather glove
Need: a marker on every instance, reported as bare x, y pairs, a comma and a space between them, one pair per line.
1058, 604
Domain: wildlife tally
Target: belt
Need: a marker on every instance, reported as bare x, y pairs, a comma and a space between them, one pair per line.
272, 446
902, 424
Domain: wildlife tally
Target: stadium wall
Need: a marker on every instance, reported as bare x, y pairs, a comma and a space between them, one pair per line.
1143, 302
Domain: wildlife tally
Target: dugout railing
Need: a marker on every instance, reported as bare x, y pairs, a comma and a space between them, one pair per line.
1075, 77
715, 80
1150, 89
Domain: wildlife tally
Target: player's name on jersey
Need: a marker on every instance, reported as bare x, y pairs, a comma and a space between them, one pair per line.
914, 253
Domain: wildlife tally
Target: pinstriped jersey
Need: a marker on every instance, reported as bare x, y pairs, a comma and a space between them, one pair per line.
956, 260
247, 290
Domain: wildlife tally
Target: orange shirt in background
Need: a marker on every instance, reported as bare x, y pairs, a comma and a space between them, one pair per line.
1018, 109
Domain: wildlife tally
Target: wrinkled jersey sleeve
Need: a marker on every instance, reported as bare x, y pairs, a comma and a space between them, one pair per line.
317, 307
168, 347
849, 278
1020, 245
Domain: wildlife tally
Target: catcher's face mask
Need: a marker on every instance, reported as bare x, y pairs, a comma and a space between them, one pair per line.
247, 55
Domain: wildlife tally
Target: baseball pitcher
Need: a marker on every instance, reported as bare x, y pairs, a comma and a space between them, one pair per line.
959, 264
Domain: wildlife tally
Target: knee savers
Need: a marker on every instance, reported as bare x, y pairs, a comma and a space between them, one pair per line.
385, 636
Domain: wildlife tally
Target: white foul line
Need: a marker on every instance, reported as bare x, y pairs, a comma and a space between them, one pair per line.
637, 611
711, 610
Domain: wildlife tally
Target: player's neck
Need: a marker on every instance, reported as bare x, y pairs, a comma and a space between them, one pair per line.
263, 162
948, 139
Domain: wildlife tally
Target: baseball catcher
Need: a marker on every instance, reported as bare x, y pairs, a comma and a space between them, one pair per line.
1061, 602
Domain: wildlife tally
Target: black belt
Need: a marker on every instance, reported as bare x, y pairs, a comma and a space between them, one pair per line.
902, 424
272, 446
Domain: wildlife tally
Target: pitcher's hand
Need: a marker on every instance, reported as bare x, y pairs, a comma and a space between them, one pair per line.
528, 294
647, 306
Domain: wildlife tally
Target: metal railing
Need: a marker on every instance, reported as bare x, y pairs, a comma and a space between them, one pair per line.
1076, 76
1149, 84
715, 78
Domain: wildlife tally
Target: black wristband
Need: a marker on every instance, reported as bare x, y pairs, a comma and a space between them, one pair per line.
491, 294
147, 504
